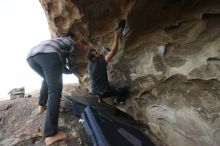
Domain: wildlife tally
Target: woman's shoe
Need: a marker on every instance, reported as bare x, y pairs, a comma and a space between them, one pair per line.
121, 24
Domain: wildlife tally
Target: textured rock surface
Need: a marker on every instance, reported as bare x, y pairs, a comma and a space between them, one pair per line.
169, 58
20, 125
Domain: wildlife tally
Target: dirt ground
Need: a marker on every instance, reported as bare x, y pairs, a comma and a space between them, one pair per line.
20, 125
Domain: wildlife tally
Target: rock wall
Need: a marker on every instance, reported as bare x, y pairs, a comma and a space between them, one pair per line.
169, 58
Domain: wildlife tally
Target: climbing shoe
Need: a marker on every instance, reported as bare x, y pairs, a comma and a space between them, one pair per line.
121, 24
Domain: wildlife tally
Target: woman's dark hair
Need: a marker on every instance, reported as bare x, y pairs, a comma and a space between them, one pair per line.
89, 54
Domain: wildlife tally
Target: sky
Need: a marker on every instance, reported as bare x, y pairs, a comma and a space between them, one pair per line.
23, 25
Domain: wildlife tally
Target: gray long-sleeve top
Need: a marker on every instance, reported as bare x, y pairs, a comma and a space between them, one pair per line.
61, 45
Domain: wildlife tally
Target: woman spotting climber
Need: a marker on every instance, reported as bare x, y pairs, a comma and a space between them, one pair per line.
50, 59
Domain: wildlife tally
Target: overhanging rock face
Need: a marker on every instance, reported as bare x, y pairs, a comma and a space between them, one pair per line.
169, 58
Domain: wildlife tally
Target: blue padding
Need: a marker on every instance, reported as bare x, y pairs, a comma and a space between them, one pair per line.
90, 122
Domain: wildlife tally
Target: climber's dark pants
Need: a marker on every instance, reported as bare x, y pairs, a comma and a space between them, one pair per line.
49, 67
120, 94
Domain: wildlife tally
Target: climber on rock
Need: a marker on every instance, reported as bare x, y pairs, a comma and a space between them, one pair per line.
97, 69
50, 59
